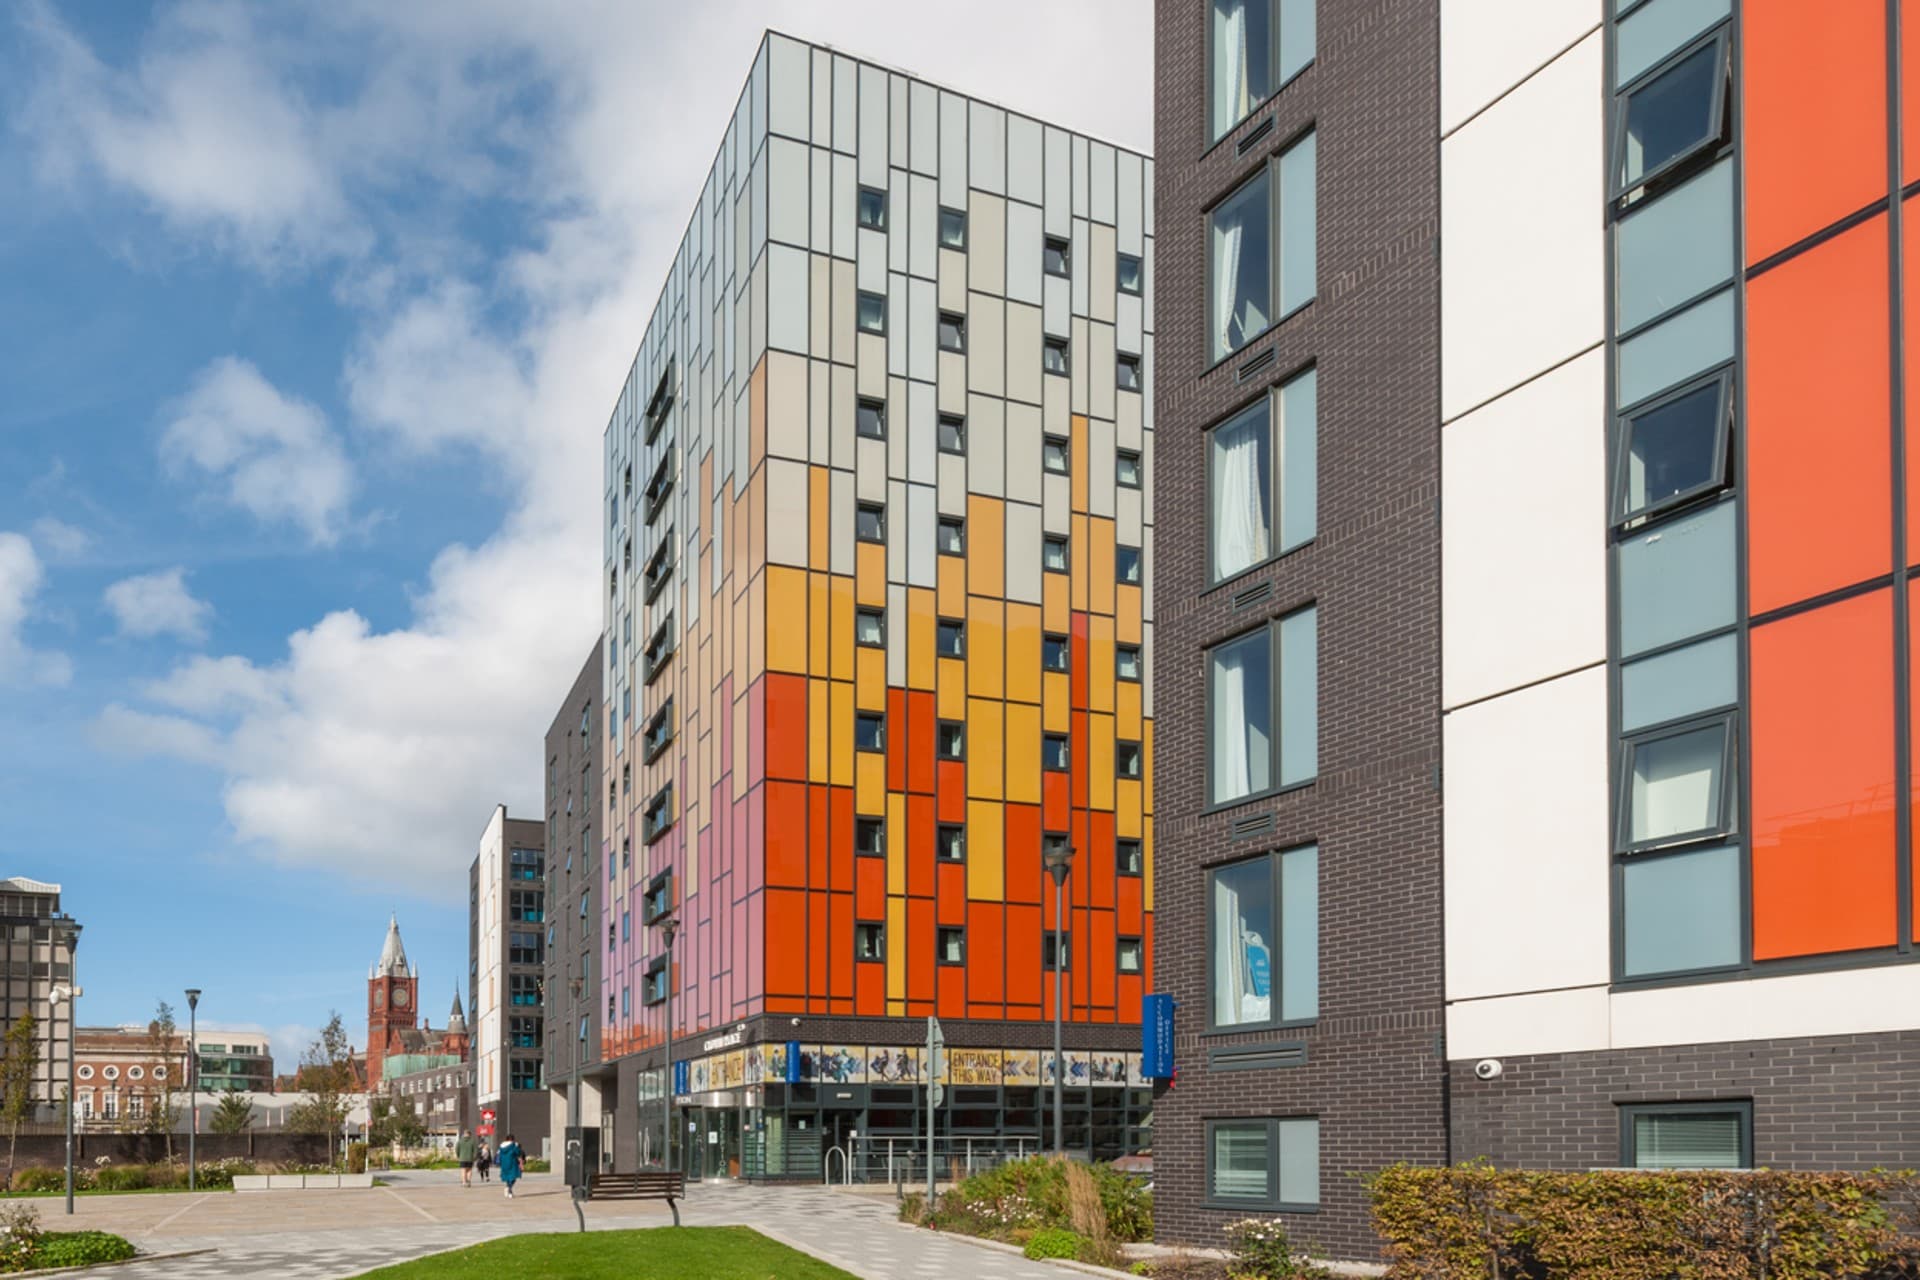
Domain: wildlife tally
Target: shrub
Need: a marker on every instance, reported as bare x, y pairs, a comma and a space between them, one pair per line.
42, 1179
1028, 1195
1055, 1242
126, 1177
356, 1157
80, 1248
1261, 1251
913, 1208
218, 1175
19, 1236
536, 1165
166, 1175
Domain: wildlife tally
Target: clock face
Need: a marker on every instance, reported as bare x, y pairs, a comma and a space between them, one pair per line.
379, 998
400, 998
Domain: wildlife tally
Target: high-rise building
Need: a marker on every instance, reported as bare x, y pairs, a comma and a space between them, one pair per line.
878, 639
505, 976
36, 963
569, 904
1549, 718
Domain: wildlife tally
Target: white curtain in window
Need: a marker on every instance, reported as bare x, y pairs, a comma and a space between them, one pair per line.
1239, 744
1239, 503
1227, 235
1229, 958
1229, 64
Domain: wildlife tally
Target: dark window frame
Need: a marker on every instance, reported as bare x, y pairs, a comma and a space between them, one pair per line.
660, 486
1271, 1202
958, 421
653, 984
956, 524
940, 228
860, 298
1139, 469
1209, 139
658, 571
879, 933
1122, 361
1062, 447
660, 887
661, 647
940, 934
941, 832
878, 196
1140, 759
1056, 246
1726, 407
660, 731
1729, 800
1053, 344
1122, 941
1065, 543
959, 632
879, 511
863, 824
1721, 40
866, 718
1120, 276
864, 612
1275, 710
957, 321
1135, 867
940, 729
1064, 646
1276, 1019
1139, 575
658, 816
1049, 739
1139, 663
1742, 1108
870, 408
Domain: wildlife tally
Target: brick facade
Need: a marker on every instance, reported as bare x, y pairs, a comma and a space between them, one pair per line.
1373, 1073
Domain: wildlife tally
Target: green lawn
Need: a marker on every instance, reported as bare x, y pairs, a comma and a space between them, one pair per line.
660, 1253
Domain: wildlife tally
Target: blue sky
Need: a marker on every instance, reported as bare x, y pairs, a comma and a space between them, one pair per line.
310, 319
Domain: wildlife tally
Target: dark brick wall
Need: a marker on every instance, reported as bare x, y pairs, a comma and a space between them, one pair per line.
568, 752
1835, 1102
1374, 1073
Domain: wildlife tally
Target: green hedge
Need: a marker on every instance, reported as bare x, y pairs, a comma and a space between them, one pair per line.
80, 1248
1018, 1198
1474, 1222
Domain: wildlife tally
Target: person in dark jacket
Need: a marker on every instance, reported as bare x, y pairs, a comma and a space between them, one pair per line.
464, 1151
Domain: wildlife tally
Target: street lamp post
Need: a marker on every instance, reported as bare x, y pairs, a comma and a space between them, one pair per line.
1058, 860
193, 1085
668, 927
573, 1084
71, 936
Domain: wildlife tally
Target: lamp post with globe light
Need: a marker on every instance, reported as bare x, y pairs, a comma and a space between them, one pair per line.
1058, 861
68, 931
193, 1085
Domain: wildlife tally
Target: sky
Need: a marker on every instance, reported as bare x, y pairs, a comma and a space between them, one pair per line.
311, 318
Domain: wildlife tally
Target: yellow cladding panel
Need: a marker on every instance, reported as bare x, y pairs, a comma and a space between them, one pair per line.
1100, 576
950, 699
1079, 441
1078, 559
897, 948
953, 585
1146, 766
986, 851
841, 590
1100, 764
896, 843
1055, 615
984, 730
757, 627
870, 679
985, 655
870, 574
1146, 865
819, 624
1126, 808
1126, 722
870, 783
921, 620
986, 547
1023, 652
1057, 701
819, 540
1126, 614
842, 773
1100, 678
786, 600
896, 1008
819, 724
1023, 753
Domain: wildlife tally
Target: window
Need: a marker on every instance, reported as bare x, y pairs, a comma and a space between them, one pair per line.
1245, 702
1687, 1135
873, 208
1677, 784
870, 312
1674, 449
626, 779
1056, 455
1053, 355
1126, 662
1245, 273
1126, 760
1246, 472
660, 648
869, 942
658, 899
870, 522
1129, 858
870, 628
1263, 937
659, 487
659, 731
870, 837
953, 229
659, 568
1056, 950
1126, 469
1053, 554
951, 535
626, 926
950, 844
1264, 1163
1670, 115
1126, 372
1126, 565
658, 815
952, 332
1130, 955
870, 419
950, 638
950, 945
626, 1003
653, 987
870, 731
523, 989
1130, 273
1055, 254
950, 740
1056, 653
1254, 47
1054, 752
953, 433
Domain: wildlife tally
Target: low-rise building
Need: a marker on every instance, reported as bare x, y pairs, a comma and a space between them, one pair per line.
233, 1061
121, 1074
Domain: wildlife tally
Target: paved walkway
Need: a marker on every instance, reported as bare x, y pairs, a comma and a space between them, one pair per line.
321, 1235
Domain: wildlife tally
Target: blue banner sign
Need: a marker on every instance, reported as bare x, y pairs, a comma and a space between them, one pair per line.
793, 1062
1156, 1037
680, 1078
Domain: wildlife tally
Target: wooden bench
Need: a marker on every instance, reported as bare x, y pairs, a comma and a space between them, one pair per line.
645, 1185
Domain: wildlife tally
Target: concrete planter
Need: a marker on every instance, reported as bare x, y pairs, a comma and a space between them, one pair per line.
304, 1182
251, 1181
285, 1182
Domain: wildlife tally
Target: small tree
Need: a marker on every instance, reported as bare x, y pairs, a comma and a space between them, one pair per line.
19, 1057
233, 1114
162, 1044
395, 1122
326, 1074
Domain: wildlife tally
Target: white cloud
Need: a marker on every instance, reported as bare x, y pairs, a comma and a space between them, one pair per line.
206, 686
128, 731
21, 578
158, 604
64, 541
276, 455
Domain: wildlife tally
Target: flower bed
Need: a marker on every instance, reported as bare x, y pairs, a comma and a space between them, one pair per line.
1085, 1210
24, 1246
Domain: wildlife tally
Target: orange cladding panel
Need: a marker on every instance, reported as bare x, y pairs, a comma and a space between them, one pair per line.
786, 938
1910, 358
1913, 696
987, 966
786, 834
1823, 786
786, 726
870, 888
920, 837
952, 892
818, 832
1023, 956
1023, 853
1819, 464
1815, 143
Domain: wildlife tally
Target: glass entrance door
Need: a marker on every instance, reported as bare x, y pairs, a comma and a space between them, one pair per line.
717, 1139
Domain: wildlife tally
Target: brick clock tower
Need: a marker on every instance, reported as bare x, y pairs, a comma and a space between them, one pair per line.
393, 1004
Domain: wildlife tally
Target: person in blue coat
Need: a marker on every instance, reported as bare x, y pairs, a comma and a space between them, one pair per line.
510, 1159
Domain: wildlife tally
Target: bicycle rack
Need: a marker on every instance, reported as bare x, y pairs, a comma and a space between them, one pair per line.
846, 1167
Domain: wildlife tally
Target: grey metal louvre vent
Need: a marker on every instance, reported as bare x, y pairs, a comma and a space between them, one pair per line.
1254, 135
1253, 595
1254, 365
1267, 1056
1258, 824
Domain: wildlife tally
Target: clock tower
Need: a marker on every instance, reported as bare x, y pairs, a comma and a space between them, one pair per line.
393, 1005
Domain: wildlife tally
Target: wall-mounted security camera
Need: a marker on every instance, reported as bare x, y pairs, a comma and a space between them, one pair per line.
1488, 1069
796, 1022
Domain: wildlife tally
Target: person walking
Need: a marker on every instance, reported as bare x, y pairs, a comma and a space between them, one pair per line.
510, 1162
463, 1151
485, 1162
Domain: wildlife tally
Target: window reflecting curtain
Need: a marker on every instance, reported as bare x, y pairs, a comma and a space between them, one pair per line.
1230, 96
1242, 959
1241, 718
1227, 235
1242, 517
1241, 276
